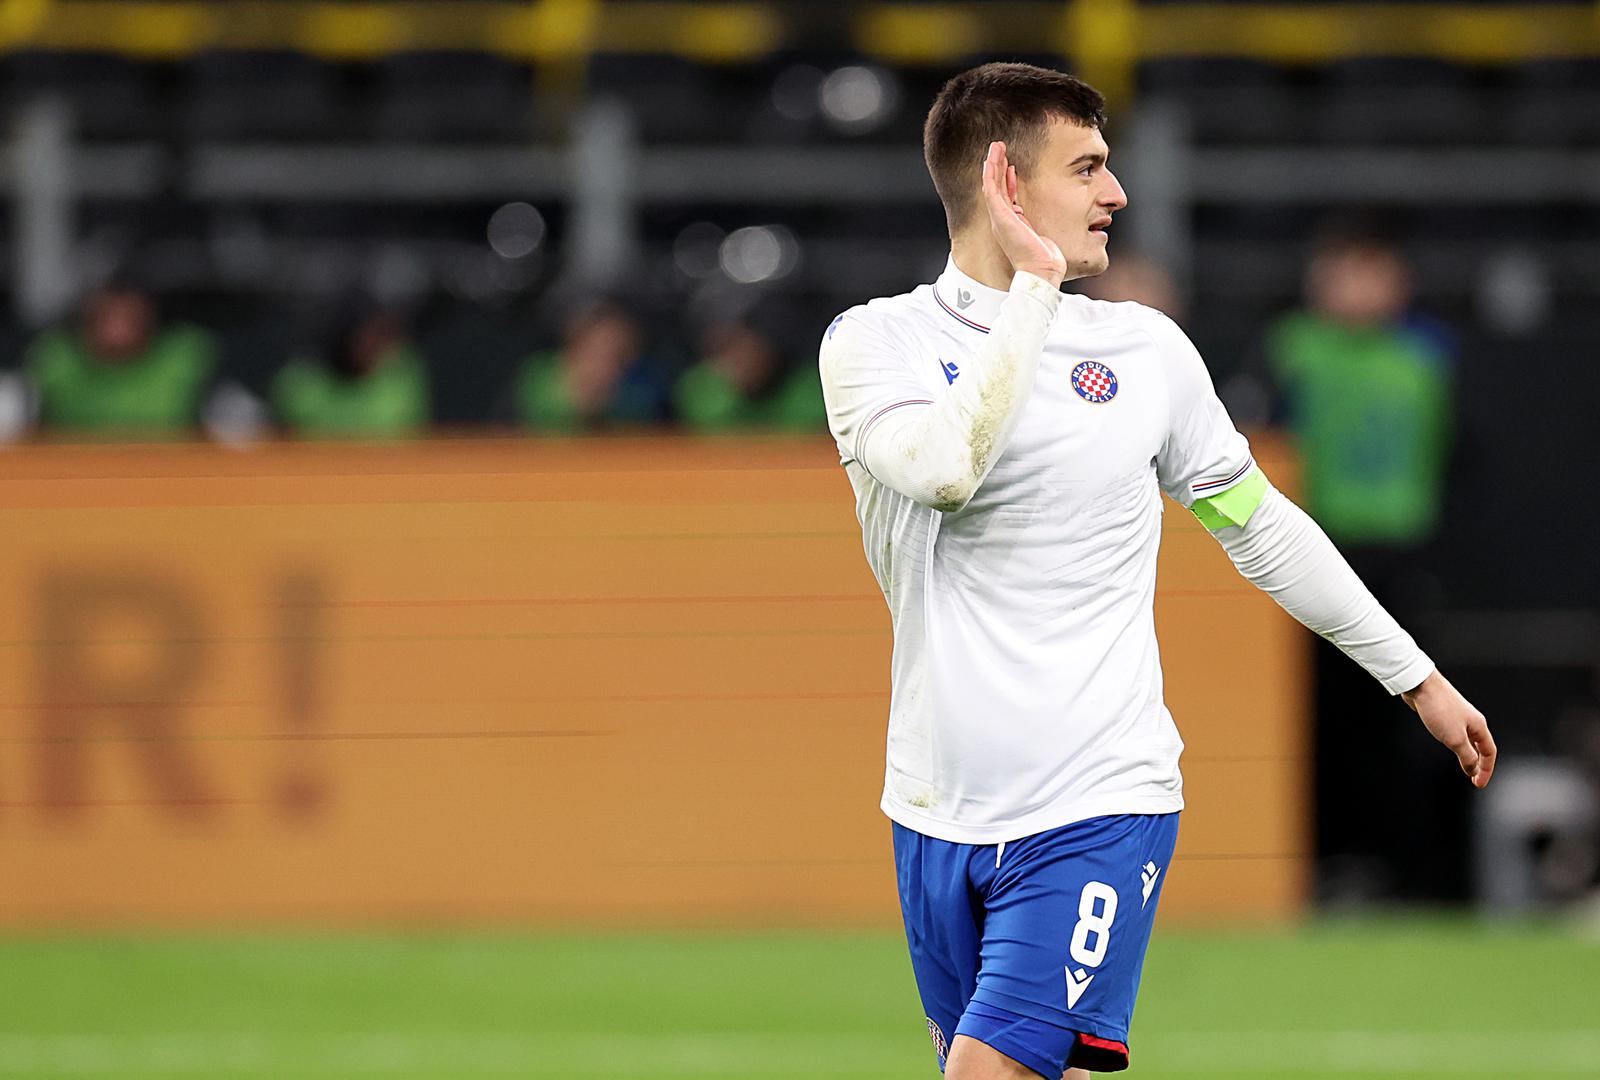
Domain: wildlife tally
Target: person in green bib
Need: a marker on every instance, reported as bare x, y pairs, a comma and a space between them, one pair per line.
1367, 388
597, 379
373, 384
118, 372
742, 383
1368, 394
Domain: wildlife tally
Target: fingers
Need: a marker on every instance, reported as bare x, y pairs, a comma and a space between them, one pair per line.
994, 178
1467, 755
1475, 749
1483, 742
1011, 184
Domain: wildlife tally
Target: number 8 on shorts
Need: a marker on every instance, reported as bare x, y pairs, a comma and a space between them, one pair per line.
1092, 923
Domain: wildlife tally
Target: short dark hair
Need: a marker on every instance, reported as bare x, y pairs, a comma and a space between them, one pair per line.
1363, 232
1010, 102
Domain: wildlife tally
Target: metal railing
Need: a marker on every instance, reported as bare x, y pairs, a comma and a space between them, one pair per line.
606, 178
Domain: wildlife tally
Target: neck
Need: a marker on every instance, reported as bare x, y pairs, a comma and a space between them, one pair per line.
979, 257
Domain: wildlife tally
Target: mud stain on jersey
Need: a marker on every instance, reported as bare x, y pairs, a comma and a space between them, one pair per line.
949, 497
996, 397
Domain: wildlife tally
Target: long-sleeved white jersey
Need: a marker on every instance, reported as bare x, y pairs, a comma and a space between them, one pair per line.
1007, 451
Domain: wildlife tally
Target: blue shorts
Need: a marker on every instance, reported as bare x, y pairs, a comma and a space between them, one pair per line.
1035, 946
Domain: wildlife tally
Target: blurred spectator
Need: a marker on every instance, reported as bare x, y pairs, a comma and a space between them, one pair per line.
1367, 390
597, 378
1368, 393
742, 382
1131, 276
374, 383
119, 370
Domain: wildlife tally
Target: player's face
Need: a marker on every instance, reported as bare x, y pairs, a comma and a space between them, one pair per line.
1069, 195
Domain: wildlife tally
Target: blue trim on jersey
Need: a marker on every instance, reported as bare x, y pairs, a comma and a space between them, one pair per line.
956, 314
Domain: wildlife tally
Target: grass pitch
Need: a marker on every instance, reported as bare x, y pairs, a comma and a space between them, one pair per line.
1393, 998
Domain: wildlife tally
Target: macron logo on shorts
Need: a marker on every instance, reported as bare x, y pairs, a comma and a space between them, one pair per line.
1149, 872
1077, 982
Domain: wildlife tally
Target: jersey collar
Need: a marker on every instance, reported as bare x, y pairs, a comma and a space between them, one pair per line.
966, 299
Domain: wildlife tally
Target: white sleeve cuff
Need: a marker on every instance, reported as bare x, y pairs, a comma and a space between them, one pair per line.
1036, 288
1411, 676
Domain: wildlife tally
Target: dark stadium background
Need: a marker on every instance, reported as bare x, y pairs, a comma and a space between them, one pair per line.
490, 167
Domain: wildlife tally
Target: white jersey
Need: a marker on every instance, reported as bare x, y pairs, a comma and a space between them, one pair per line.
1026, 682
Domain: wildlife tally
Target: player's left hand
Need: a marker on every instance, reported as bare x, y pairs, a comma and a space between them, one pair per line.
1452, 720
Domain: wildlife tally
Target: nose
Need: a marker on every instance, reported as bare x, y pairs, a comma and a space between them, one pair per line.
1113, 198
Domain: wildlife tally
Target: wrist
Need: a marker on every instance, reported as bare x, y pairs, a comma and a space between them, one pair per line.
1423, 689
1025, 283
1050, 275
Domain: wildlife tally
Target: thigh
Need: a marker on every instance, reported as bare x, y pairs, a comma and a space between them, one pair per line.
971, 1059
1067, 920
943, 919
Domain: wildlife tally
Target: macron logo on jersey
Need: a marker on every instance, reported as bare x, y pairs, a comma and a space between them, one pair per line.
1077, 982
950, 370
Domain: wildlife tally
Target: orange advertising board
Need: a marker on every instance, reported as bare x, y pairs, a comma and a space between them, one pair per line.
586, 681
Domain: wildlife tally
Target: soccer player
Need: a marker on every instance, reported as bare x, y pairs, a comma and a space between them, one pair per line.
1008, 445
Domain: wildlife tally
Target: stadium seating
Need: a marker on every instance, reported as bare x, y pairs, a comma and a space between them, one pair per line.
775, 109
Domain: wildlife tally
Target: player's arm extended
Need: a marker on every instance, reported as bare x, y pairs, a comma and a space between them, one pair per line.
1205, 464
937, 448
1283, 552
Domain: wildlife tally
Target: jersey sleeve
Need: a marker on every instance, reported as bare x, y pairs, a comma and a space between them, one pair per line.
864, 379
1284, 554
1204, 463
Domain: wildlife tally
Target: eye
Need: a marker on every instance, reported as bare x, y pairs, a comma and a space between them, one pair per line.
1087, 170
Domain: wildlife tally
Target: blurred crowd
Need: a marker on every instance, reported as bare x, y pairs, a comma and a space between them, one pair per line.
118, 369
1363, 379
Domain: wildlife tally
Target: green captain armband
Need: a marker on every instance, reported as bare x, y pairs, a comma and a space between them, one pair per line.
1234, 506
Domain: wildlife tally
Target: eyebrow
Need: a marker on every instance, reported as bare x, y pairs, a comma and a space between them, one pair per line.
1088, 159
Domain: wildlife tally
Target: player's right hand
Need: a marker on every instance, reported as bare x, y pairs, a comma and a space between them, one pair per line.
1023, 246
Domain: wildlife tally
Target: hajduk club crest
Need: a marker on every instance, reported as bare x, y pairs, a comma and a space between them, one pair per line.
1094, 382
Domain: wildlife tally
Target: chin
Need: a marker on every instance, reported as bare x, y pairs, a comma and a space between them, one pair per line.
1089, 266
